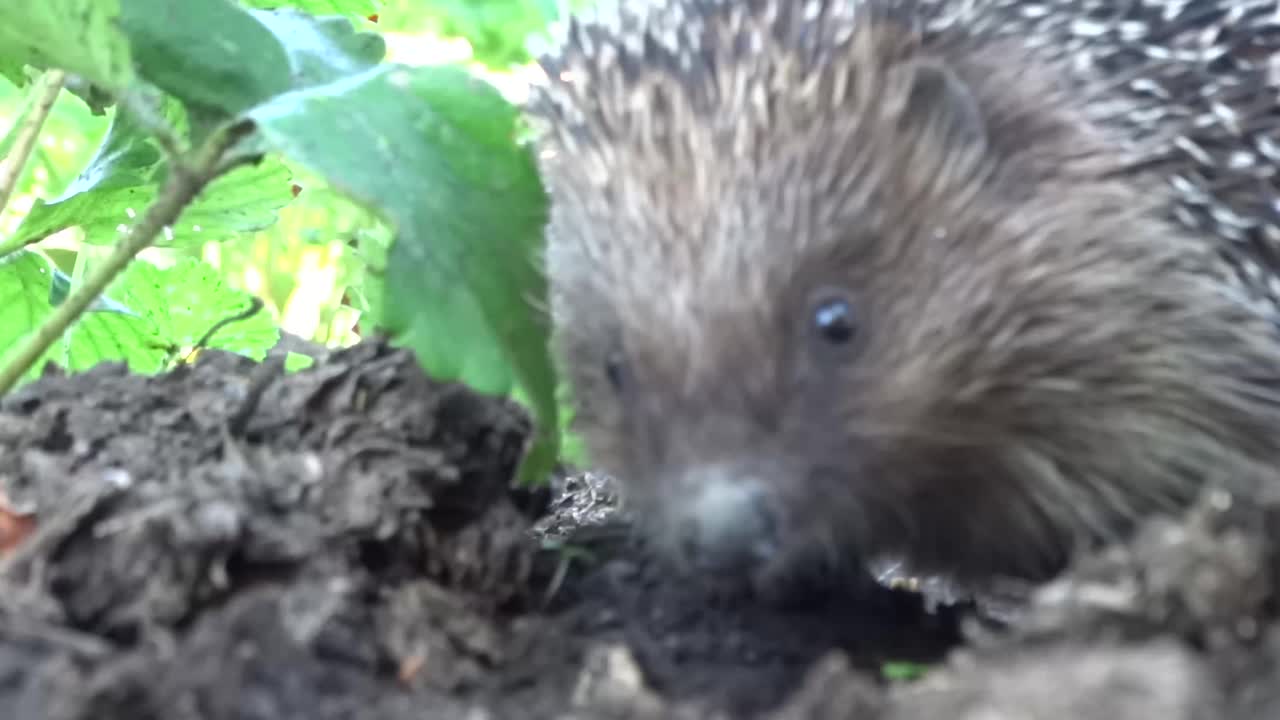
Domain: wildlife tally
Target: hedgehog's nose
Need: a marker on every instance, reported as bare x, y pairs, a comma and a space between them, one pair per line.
729, 526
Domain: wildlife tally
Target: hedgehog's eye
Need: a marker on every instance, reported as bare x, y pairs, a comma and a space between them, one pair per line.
613, 370
834, 321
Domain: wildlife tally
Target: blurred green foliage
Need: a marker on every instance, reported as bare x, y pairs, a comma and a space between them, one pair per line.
315, 254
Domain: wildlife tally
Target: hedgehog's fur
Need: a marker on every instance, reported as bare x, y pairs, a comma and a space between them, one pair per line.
1057, 220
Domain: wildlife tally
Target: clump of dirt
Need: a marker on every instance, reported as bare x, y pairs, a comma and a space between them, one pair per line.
231, 541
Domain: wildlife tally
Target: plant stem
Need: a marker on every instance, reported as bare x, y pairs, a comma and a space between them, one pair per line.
9, 246
187, 178
45, 93
139, 106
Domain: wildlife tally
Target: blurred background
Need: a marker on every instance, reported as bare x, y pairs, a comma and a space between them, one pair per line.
303, 266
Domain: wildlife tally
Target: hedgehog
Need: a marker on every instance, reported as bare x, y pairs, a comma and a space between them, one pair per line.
972, 284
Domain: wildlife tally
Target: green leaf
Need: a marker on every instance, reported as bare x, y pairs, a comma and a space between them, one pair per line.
14, 70
294, 361
124, 178
322, 49
455, 320
346, 8
498, 30
220, 56
187, 300
903, 671
433, 151
205, 52
24, 295
106, 336
79, 36
25, 288
158, 312
60, 288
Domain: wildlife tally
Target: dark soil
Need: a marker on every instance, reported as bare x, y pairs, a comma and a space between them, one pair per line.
227, 541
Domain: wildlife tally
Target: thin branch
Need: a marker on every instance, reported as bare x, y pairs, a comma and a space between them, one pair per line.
185, 182
139, 106
46, 92
255, 304
11, 245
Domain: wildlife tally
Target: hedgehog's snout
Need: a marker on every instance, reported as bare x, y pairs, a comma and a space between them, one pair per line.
729, 522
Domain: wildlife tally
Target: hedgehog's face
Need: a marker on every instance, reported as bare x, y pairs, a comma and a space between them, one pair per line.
969, 409
819, 408
738, 425
777, 375
902, 326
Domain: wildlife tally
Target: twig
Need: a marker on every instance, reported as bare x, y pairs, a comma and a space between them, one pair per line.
137, 105
46, 92
186, 179
255, 304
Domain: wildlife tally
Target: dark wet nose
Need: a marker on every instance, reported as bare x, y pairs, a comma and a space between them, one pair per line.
730, 525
